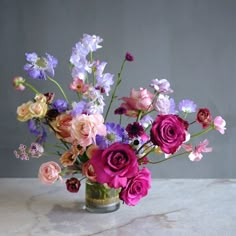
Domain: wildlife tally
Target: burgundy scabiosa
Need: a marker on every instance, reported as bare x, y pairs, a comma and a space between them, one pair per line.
134, 130
40, 67
129, 57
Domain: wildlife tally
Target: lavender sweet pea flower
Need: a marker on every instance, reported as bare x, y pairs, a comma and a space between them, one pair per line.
162, 104
187, 106
161, 86
61, 105
91, 42
104, 83
40, 67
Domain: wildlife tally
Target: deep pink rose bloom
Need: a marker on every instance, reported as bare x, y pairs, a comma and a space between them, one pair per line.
168, 132
136, 188
115, 164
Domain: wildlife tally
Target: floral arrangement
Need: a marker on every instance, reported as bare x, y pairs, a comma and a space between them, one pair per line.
102, 151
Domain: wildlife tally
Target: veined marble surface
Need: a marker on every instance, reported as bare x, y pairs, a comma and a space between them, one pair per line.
172, 207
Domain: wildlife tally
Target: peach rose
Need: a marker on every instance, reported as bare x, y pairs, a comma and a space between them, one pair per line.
88, 171
38, 109
139, 100
68, 158
84, 128
62, 126
23, 113
49, 172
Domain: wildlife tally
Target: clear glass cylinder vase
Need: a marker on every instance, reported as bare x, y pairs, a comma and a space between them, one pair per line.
99, 198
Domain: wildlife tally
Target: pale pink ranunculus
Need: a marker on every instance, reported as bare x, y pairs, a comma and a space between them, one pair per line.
219, 124
139, 100
84, 128
49, 172
136, 187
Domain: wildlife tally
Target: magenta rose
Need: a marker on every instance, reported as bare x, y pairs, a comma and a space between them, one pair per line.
136, 188
168, 132
115, 164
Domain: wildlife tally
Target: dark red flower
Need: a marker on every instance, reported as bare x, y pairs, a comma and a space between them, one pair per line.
129, 57
73, 185
134, 130
204, 117
120, 111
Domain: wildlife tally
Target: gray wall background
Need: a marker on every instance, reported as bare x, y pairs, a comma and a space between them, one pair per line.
192, 43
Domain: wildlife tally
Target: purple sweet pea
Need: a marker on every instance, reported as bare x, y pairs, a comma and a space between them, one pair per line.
60, 104
40, 67
161, 86
187, 106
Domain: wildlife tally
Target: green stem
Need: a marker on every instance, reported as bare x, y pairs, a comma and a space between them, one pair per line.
114, 91
139, 115
60, 88
202, 132
31, 87
166, 159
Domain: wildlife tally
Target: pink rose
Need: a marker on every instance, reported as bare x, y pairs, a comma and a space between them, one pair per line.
168, 132
49, 172
115, 164
84, 128
136, 188
139, 100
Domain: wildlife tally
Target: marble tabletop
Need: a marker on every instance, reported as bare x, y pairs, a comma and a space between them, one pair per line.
173, 207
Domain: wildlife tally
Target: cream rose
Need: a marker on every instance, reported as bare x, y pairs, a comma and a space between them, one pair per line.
38, 109
23, 113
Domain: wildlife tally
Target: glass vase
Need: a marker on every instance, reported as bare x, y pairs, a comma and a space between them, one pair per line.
100, 198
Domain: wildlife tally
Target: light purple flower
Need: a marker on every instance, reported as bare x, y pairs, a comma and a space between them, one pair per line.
104, 83
161, 86
91, 42
36, 150
187, 106
162, 104
115, 133
146, 121
40, 67
78, 108
36, 128
60, 104
172, 107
